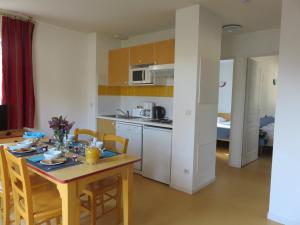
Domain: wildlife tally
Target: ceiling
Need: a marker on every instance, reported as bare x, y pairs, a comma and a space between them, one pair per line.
132, 17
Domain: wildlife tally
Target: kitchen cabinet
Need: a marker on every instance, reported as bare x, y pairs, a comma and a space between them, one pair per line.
157, 151
142, 54
133, 132
105, 126
164, 52
118, 67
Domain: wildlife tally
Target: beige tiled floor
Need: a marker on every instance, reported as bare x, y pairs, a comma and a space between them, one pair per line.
238, 197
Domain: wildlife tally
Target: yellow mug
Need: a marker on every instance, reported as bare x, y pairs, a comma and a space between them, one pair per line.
92, 155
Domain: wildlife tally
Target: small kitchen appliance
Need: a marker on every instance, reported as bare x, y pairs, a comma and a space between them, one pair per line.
148, 107
138, 112
140, 75
159, 112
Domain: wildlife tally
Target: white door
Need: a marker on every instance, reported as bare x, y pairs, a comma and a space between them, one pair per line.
252, 107
133, 132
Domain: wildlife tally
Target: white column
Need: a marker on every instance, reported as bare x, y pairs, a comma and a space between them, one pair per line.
197, 55
92, 81
285, 183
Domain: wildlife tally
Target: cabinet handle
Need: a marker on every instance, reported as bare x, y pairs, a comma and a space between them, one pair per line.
140, 60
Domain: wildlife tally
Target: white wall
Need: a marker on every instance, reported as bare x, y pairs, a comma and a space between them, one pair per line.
60, 75
92, 79
240, 47
268, 67
285, 183
111, 103
197, 54
225, 93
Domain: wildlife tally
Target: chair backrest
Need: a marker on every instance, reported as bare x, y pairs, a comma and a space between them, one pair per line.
4, 177
21, 188
88, 132
121, 143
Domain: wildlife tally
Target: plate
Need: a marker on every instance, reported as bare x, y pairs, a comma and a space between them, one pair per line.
23, 150
53, 162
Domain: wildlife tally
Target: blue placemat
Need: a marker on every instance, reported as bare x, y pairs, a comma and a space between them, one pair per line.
108, 153
105, 154
68, 163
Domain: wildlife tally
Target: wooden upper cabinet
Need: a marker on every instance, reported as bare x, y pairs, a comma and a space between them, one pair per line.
142, 54
164, 52
118, 67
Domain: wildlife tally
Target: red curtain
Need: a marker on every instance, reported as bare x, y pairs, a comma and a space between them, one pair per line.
17, 84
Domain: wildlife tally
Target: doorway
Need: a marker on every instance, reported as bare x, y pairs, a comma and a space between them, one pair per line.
260, 104
224, 109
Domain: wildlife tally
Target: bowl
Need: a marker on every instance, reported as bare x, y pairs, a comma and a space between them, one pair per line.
52, 154
25, 144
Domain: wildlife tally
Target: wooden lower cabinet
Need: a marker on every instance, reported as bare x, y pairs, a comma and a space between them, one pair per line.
105, 126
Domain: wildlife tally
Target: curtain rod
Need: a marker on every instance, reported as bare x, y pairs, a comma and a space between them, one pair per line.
15, 15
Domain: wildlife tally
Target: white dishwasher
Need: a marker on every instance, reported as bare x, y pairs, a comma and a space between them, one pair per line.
157, 151
133, 132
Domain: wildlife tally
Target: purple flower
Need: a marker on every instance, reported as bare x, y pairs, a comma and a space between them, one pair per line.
60, 125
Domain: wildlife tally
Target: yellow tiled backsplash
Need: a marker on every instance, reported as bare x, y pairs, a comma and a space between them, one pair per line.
156, 91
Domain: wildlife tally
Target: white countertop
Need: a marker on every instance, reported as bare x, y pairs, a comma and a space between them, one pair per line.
137, 121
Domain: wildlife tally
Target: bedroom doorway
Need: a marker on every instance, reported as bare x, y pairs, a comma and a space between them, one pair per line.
260, 104
224, 109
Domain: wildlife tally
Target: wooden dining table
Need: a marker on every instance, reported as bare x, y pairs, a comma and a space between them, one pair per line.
71, 181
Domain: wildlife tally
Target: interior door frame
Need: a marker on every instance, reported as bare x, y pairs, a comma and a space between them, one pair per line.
237, 121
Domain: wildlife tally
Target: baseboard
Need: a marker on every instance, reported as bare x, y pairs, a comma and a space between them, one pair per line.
190, 192
194, 190
203, 185
282, 219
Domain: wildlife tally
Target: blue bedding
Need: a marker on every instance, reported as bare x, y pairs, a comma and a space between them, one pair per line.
223, 134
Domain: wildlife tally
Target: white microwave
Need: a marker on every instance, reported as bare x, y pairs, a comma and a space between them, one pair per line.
140, 75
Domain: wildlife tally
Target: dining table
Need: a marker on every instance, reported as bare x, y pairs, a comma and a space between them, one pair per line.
71, 181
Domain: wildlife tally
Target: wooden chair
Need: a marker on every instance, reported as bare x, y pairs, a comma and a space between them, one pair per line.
99, 193
88, 132
5, 187
35, 206
5, 193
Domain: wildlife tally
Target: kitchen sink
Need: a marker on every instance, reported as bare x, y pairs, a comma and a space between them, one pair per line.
122, 116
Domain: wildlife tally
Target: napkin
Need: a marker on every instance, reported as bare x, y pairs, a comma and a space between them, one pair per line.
33, 134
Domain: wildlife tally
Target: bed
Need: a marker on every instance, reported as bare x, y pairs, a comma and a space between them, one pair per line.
223, 127
266, 129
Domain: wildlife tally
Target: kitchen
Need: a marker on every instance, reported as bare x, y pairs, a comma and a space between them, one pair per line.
137, 103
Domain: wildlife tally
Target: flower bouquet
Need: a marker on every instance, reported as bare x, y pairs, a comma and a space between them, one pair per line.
61, 128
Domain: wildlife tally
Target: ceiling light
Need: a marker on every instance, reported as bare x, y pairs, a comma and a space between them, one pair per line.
120, 37
232, 28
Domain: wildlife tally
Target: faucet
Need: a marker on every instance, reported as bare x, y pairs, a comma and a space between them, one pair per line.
123, 113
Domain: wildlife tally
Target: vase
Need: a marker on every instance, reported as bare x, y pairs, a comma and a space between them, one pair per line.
59, 142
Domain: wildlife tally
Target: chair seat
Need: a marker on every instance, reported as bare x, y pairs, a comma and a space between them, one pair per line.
101, 186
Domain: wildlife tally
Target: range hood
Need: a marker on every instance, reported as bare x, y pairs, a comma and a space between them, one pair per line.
162, 67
